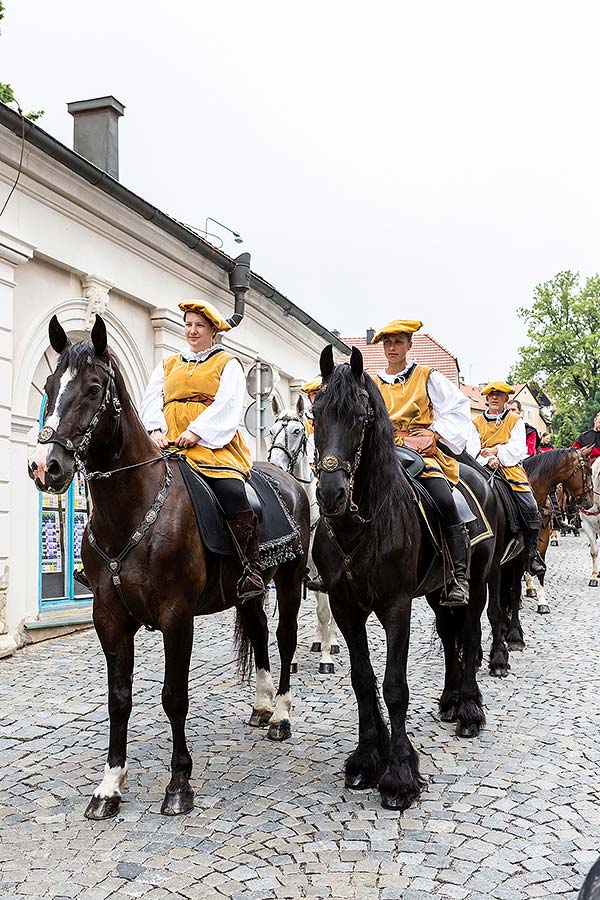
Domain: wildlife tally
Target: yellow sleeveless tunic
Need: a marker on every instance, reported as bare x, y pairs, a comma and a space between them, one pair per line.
409, 407
492, 435
184, 380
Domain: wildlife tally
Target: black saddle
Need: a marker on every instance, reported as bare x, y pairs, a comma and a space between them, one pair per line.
279, 534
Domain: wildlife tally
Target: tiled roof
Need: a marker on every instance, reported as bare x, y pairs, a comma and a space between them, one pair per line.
425, 350
475, 396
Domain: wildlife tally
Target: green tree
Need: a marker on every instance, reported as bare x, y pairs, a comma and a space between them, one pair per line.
7, 94
563, 352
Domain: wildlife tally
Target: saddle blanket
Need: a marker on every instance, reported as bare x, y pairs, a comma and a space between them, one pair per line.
279, 534
478, 527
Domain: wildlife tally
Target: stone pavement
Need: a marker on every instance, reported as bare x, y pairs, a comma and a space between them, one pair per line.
511, 815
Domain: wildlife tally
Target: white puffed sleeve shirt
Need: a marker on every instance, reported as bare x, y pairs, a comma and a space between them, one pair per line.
217, 424
515, 449
451, 408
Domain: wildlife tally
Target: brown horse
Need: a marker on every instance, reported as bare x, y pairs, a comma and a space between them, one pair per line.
145, 560
545, 472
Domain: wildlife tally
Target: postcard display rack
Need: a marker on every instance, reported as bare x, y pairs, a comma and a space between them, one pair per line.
63, 519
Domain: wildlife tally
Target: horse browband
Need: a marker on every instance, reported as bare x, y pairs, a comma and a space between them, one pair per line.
48, 435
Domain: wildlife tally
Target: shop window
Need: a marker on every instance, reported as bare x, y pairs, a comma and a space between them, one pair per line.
62, 519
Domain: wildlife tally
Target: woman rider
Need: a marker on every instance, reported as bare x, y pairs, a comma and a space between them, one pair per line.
503, 442
423, 405
195, 400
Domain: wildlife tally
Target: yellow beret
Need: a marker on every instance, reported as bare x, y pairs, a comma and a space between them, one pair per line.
311, 386
398, 326
497, 386
206, 309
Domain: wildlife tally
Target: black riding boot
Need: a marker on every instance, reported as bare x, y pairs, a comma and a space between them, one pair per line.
457, 538
535, 563
244, 529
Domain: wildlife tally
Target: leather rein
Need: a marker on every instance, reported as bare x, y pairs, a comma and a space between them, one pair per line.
79, 451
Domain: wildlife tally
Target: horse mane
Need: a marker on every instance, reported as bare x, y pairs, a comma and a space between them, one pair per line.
382, 491
544, 464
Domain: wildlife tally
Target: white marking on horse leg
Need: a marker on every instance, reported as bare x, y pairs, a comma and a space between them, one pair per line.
283, 705
40, 454
265, 690
541, 596
528, 581
324, 617
113, 782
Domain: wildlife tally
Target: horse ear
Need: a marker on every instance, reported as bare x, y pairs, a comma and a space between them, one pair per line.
58, 336
275, 406
326, 361
356, 362
99, 338
300, 405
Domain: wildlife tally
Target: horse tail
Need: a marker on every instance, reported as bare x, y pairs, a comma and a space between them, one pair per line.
241, 636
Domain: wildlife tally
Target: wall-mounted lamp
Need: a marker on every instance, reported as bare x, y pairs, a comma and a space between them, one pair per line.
206, 233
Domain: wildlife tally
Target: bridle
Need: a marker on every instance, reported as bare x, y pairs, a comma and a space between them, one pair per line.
332, 463
586, 477
48, 435
292, 455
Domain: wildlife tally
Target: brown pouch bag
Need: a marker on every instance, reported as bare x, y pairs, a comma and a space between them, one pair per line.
425, 444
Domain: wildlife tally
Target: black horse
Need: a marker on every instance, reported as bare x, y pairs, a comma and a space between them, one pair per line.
145, 560
373, 552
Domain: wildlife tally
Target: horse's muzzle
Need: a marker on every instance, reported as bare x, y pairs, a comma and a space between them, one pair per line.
332, 496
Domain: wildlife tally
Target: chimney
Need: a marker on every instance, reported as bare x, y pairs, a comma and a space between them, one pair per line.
96, 131
370, 335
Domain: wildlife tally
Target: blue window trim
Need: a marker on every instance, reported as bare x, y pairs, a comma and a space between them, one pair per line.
69, 601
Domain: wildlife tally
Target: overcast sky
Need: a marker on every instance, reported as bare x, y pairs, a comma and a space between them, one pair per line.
429, 159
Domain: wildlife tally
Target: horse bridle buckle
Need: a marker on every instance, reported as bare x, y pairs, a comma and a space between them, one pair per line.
329, 463
45, 435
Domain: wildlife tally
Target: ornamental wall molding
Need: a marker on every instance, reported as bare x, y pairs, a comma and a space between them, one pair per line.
96, 292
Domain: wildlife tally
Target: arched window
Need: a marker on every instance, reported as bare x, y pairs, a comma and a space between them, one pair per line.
62, 519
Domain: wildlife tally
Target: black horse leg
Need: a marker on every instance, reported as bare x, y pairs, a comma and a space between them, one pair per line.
178, 637
514, 634
445, 623
253, 621
499, 665
288, 581
117, 642
469, 714
367, 762
401, 783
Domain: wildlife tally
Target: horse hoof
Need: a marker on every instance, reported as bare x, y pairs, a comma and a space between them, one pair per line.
178, 803
531, 592
103, 807
515, 646
467, 731
593, 582
543, 609
448, 715
280, 731
388, 801
294, 669
315, 647
499, 671
359, 782
326, 668
334, 649
554, 543
260, 717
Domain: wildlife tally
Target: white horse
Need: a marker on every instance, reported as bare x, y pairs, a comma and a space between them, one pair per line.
289, 451
590, 522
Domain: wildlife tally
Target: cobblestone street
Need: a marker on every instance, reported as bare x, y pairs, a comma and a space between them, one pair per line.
513, 814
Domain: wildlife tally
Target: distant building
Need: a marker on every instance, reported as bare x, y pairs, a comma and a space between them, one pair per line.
476, 398
425, 350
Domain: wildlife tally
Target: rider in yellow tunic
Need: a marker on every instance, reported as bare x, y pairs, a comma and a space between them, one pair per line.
503, 446
424, 405
195, 401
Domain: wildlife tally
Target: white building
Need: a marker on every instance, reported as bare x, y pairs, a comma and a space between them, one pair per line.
73, 242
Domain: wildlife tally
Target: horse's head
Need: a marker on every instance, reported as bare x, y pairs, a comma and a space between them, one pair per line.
579, 482
343, 412
288, 436
81, 396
